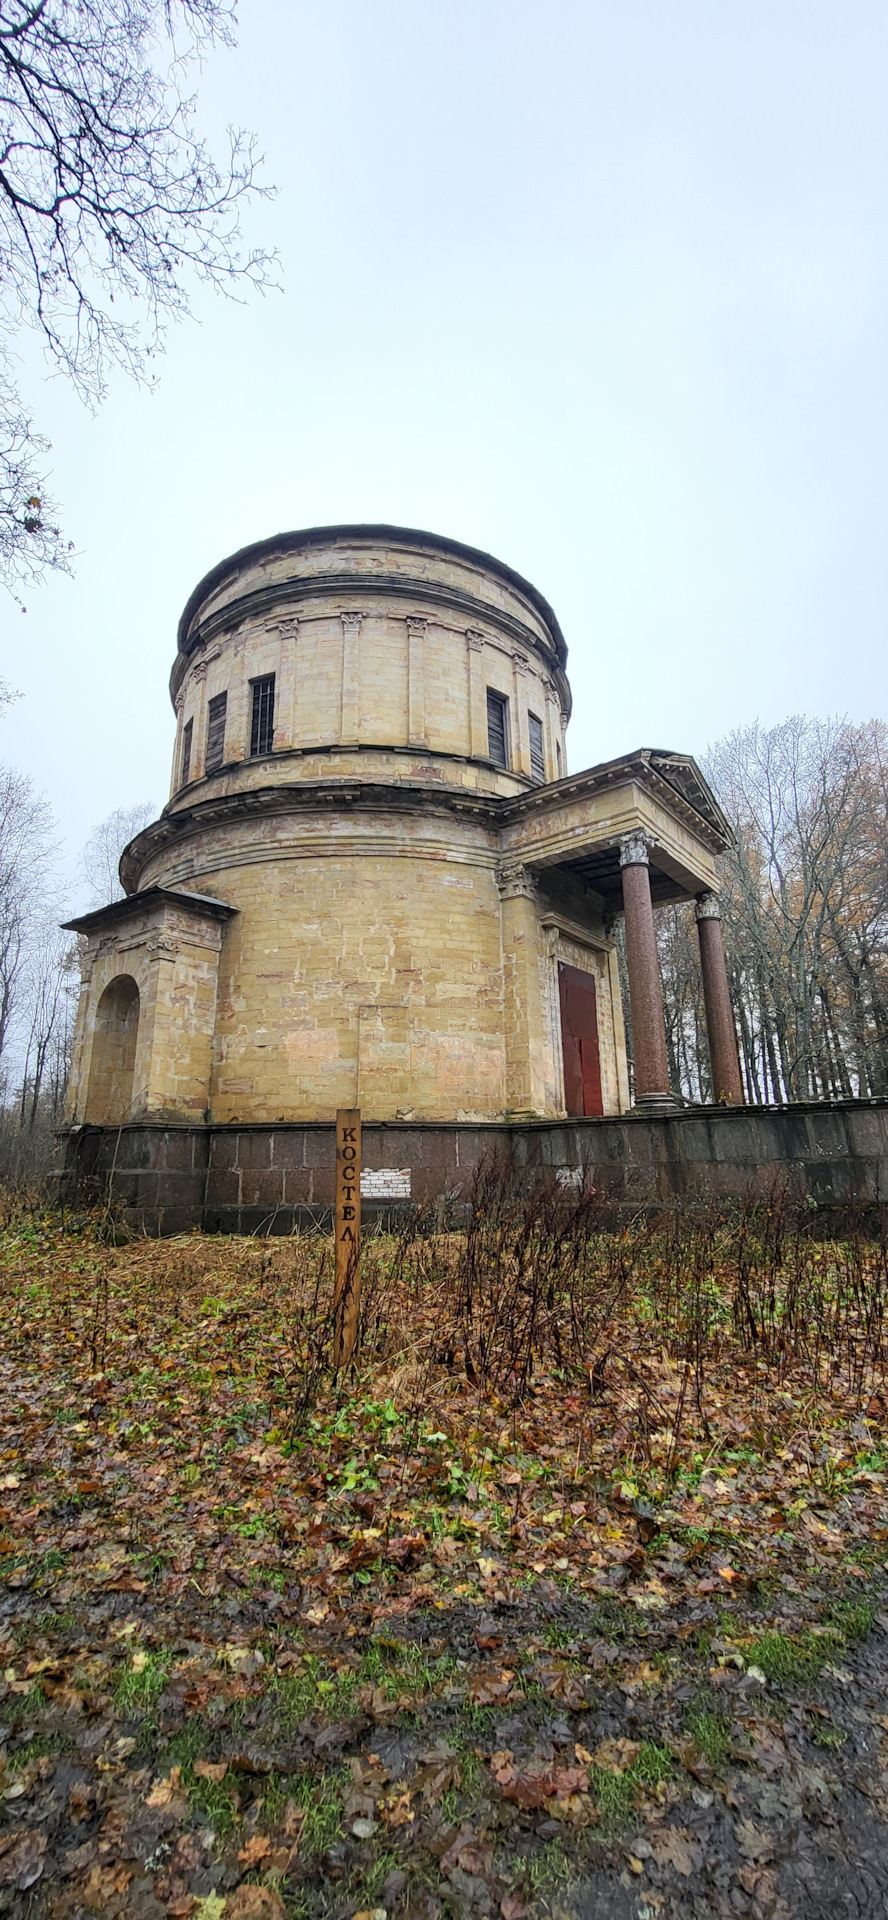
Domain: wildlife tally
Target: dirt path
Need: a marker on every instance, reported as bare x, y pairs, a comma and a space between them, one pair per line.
545, 1756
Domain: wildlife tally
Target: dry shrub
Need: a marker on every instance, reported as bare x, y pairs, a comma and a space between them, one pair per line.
646, 1325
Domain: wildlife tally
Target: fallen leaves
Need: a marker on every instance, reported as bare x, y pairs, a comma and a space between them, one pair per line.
344, 1616
22, 1856
254, 1903
534, 1783
488, 1686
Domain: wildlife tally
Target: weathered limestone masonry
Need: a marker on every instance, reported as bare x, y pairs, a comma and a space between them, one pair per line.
375, 884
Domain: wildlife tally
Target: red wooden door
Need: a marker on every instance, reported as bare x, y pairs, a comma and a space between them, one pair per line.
579, 1041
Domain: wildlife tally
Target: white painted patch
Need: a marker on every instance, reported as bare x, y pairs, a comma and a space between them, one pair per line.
385, 1183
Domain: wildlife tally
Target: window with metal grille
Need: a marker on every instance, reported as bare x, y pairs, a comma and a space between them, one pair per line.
187, 732
497, 728
537, 756
262, 728
216, 732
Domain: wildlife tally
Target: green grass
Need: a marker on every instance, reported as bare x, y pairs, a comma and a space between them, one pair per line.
711, 1735
34, 1749
795, 1660
614, 1793
311, 1689
792, 1662
399, 1666
189, 1744
136, 1692
826, 1736
322, 1799
210, 1799
854, 1619
373, 1880
550, 1867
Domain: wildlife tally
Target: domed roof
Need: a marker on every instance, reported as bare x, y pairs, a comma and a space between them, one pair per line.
308, 537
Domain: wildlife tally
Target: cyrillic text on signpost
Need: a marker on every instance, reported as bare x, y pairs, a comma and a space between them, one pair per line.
347, 1282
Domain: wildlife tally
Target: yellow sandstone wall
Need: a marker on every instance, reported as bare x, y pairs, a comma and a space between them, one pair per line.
382, 955
371, 668
172, 956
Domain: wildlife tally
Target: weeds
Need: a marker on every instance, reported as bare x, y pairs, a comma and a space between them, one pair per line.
615, 1793
141, 1683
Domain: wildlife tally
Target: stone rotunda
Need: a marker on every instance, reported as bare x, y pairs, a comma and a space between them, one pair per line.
375, 883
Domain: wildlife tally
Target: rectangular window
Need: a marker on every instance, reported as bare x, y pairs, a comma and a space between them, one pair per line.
216, 732
497, 728
537, 756
558, 757
187, 732
262, 727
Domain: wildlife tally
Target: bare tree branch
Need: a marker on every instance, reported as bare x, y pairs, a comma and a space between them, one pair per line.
111, 208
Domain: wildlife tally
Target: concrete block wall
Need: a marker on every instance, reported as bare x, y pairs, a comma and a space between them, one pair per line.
274, 1178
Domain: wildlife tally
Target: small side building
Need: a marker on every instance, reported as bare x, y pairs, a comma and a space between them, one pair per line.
375, 882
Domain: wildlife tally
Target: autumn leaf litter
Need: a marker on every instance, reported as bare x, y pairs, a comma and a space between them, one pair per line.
415, 1642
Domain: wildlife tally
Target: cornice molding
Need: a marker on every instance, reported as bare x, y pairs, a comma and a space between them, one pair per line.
261, 602
377, 534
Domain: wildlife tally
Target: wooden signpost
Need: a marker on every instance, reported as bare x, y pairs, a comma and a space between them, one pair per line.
347, 1281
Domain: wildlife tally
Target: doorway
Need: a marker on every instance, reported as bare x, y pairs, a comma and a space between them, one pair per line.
579, 1042
110, 1096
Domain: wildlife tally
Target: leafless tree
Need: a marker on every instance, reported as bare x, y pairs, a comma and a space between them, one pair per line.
110, 208
805, 909
100, 859
26, 855
51, 992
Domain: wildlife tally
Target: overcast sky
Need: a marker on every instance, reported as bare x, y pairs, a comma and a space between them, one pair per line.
599, 288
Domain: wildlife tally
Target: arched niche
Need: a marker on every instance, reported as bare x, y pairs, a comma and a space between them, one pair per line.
116, 1030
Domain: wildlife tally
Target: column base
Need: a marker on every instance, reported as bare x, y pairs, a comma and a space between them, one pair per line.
655, 1103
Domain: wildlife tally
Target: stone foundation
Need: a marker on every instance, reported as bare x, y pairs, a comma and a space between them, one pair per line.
258, 1179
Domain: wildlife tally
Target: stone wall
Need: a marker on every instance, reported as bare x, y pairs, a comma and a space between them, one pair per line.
382, 642
270, 1179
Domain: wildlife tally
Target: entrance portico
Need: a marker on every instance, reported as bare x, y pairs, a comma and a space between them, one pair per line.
640, 831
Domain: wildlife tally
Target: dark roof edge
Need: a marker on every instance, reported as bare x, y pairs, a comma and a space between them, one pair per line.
121, 909
642, 763
321, 536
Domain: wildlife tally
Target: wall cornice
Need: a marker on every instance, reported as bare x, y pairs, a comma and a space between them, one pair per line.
496, 812
261, 602
305, 538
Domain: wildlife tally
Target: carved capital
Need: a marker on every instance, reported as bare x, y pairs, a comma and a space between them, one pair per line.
289, 629
199, 672
474, 639
163, 946
634, 850
519, 661
707, 907
515, 882
416, 625
351, 623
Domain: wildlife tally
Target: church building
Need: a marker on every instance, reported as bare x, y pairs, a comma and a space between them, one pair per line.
375, 883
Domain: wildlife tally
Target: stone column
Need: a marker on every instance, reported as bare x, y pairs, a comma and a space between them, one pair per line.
199, 728
527, 1045
351, 677
477, 695
286, 684
416, 727
176, 780
520, 754
727, 1085
645, 989
553, 731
